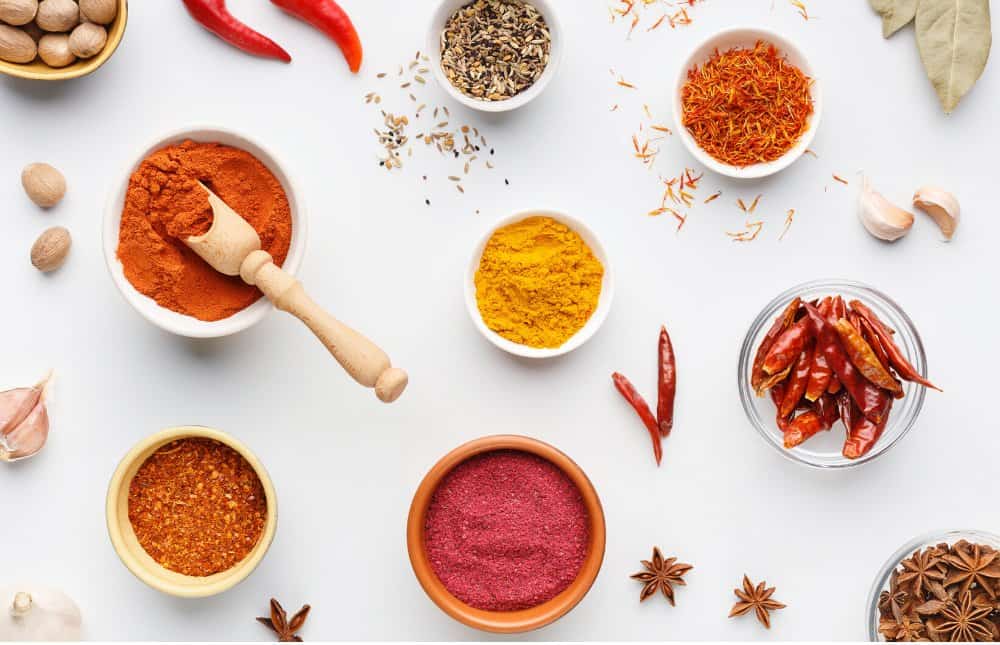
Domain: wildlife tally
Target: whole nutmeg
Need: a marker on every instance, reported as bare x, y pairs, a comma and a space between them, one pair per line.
87, 40
16, 46
57, 15
44, 185
53, 49
100, 11
18, 12
49, 251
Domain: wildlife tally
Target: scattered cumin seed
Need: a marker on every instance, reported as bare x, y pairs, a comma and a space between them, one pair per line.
460, 189
380, 75
454, 178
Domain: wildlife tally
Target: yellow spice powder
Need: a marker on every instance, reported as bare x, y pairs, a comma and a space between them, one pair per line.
538, 282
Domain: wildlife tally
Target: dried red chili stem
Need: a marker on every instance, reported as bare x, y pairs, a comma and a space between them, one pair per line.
632, 396
667, 383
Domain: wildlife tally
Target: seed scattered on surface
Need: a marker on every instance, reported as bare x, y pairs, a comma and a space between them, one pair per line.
460, 189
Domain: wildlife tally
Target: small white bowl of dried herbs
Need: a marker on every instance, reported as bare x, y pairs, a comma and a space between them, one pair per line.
494, 55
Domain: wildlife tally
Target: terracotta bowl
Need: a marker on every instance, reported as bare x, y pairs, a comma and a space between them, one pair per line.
505, 622
39, 71
140, 563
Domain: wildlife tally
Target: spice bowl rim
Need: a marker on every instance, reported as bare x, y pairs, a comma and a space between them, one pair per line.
439, 17
505, 622
596, 319
172, 321
925, 540
904, 419
741, 36
37, 70
138, 562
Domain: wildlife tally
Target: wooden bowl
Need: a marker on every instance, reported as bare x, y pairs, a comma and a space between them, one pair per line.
39, 71
140, 563
505, 622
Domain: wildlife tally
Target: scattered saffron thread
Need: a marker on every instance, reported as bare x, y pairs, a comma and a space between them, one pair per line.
789, 218
841, 180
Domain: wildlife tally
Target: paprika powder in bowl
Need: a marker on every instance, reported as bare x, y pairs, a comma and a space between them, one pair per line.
506, 534
150, 209
833, 448
212, 541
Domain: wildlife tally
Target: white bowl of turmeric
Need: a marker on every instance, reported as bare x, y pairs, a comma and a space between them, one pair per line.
147, 213
539, 284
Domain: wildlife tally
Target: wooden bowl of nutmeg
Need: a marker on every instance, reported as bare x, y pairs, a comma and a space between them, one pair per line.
55, 40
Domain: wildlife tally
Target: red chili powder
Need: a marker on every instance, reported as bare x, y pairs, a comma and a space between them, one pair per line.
506, 530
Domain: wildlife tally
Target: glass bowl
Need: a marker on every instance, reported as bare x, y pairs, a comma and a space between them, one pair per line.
824, 450
930, 539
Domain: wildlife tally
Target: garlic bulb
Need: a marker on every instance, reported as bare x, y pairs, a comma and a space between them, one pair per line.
881, 218
942, 206
38, 614
24, 421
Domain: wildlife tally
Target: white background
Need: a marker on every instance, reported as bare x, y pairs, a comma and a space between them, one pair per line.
346, 466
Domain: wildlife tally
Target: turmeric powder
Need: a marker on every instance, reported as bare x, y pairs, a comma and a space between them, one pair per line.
538, 282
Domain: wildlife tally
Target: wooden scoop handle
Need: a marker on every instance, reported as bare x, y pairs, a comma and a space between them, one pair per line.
360, 357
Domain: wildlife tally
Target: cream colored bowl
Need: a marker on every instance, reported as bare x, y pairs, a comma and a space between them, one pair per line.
39, 71
140, 563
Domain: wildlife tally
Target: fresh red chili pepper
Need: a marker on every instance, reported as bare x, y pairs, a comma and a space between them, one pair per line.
628, 391
667, 389
787, 347
213, 15
797, 381
863, 357
328, 17
781, 323
863, 435
804, 426
896, 356
873, 400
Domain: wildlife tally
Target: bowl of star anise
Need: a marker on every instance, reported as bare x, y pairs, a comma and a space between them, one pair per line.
943, 587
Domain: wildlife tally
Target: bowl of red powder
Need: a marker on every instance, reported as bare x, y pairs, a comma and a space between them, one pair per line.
506, 534
156, 204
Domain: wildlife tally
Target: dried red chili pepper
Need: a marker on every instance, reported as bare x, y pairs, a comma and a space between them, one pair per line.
213, 15
863, 434
781, 323
804, 426
873, 400
820, 374
628, 391
847, 409
667, 387
869, 335
863, 357
826, 407
788, 347
797, 381
328, 17
896, 356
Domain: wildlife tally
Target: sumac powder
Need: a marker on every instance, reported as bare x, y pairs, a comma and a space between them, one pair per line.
197, 507
506, 530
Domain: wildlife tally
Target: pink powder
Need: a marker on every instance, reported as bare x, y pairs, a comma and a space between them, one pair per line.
506, 530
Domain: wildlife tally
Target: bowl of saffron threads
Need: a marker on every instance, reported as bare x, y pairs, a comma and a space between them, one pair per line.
747, 102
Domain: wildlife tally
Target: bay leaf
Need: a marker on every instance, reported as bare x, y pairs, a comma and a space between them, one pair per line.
896, 14
954, 38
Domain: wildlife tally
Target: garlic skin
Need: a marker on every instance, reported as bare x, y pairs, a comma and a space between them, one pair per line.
34, 613
24, 421
942, 206
880, 217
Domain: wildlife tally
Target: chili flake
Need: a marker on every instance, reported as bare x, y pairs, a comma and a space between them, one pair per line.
747, 106
197, 507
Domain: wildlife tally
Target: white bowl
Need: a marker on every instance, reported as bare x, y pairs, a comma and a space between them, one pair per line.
172, 321
747, 37
444, 11
593, 323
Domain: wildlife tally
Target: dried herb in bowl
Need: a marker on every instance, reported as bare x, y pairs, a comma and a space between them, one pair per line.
492, 50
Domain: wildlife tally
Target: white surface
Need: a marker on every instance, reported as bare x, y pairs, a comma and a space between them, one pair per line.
346, 466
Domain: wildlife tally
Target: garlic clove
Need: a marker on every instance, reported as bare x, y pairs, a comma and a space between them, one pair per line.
880, 217
942, 206
28, 438
15, 405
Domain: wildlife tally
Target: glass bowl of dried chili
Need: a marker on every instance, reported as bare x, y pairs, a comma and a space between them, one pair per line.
891, 594
826, 449
762, 132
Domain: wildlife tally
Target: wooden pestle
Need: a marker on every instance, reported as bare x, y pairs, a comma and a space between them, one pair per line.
231, 246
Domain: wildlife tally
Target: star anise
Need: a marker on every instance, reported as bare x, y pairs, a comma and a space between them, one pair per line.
963, 622
974, 564
920, 569
661, 574
756, 598
894, 600
906, 629
284, 627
